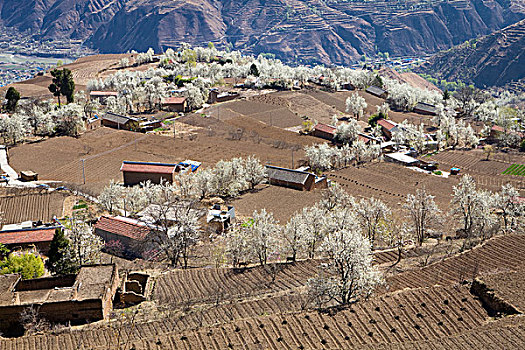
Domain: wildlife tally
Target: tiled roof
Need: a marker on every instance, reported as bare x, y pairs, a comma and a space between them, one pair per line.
117, 118
123, 227
374, 90
173, 100
425, 107
386, 124
148, 167
325, 128
498, 128
287, 175
27, 236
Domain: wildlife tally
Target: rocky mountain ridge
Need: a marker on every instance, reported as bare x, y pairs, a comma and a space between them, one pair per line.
298, 31
493, 60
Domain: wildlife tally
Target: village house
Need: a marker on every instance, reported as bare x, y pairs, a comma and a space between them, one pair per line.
118, 121
496, 131
347, 86
135, 173
377, 91
76, 299
425, 108
217, 96
387, 126
25, 236
130, 233
150, 125
368, 139
102, 96
175, 104
296, 179
401, 158
324, 131
220, 218
93, 123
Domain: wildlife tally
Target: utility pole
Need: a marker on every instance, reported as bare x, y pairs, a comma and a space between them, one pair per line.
83, 171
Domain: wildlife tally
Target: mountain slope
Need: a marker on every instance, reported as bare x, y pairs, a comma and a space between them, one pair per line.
493, 60
320, 31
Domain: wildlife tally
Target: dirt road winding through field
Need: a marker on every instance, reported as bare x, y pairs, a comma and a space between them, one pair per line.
4, 164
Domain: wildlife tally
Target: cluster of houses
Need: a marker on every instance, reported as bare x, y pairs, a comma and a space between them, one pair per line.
176, 104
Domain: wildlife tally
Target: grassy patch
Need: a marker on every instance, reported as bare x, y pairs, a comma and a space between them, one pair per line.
80, 206
515, 169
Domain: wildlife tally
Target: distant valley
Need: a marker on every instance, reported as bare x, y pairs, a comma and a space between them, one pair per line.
297, 31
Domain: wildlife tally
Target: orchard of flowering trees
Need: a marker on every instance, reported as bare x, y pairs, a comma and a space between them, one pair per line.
324, 157
329, 229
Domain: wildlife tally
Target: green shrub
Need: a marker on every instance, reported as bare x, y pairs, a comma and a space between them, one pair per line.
29, 265
372, 121
438, 172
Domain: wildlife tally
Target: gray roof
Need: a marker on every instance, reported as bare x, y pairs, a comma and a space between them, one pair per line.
374, 90
425, 107
117, 118
287, 175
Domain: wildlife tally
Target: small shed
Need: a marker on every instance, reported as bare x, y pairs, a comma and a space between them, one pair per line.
135, 173
425, 108
28, 175
347, 86
324, 131
118, 121
217, 96
292, 178
377, 91
175, 104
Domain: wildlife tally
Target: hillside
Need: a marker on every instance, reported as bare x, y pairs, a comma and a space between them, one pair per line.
330, 32
494, 60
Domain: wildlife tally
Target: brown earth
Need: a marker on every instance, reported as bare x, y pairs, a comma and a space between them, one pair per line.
282, 202
18, 205
104, 149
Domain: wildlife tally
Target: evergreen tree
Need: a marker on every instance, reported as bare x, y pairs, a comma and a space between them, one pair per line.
63, 84
12, 96
446, 95
254, 70
59, 261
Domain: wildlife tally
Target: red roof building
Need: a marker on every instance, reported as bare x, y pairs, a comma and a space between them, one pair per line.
175, 104
324, 131
39, 237
387, 126
135, 173
130, 233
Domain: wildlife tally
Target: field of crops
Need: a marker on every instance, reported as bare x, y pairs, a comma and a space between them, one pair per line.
391, 183
515, 169
498, 254
18, 205
414, 315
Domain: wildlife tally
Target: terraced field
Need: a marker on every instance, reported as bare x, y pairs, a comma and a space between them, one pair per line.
515, 169
18, 205
498, 254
